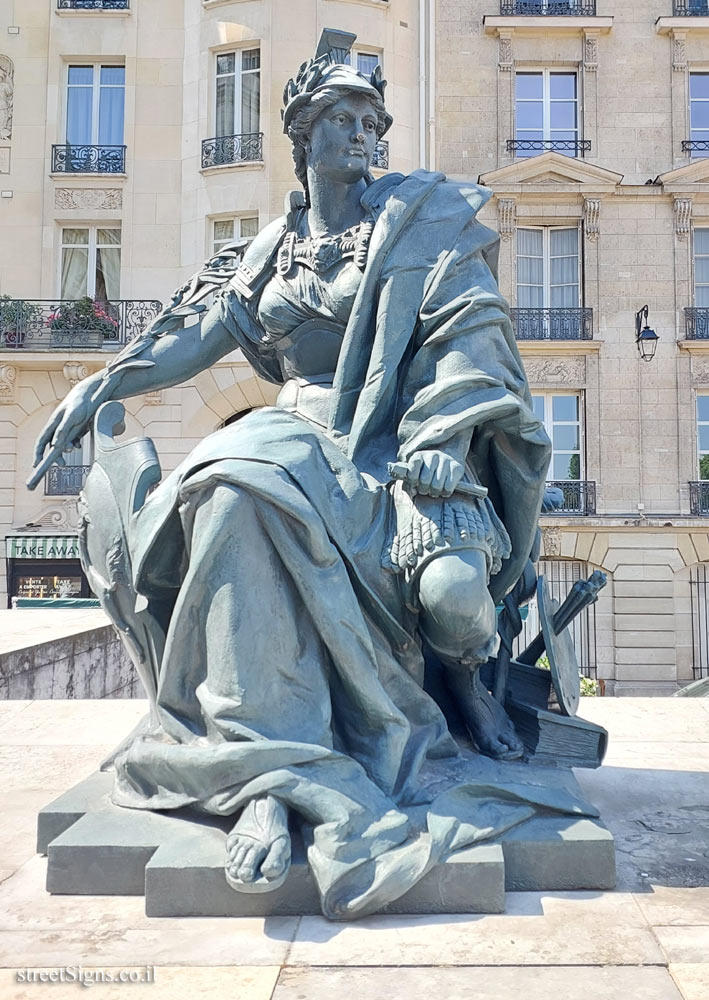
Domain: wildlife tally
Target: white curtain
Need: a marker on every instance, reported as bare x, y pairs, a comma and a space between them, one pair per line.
75, 263
108, 265
564, 268
111, 106
530, 268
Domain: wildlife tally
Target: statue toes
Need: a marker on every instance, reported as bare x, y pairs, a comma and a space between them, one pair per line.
249, 866
277, 859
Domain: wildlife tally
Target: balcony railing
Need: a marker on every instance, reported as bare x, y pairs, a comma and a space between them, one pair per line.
62, 324
552, 8
699, 497
579, 496
75, 159
696, 146
696, 323
226, 149
93, 4
65, 480
552, 324
381, 155
576, 147
690, 8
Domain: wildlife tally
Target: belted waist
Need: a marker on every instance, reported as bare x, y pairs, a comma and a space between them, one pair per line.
309, 397
311, 349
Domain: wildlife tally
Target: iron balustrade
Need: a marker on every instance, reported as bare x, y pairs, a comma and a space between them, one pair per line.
695, 146
78, 159
552, 8
552, 324
65, 480
93, 4
579, 496
690, 8
225, 149
51, 324
699, 497
696, 323
574, 146
380, 158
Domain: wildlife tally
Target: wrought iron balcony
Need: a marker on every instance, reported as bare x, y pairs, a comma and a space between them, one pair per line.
69, 324
696, 323
93, 4
579, 496
690, 8
696, 146
551, 8
75, 159
575, 147
226, 149
552, 324
381, 155
65, 480
699, 497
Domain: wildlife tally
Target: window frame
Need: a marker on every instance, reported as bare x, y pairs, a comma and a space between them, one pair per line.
695, 255
699, 134
236, 218
546, 73
549, 423
93, 248
96, 87
699, 452
546, 265
238, 52
365, 50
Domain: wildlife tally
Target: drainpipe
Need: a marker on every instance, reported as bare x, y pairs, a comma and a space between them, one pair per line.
432, 84
422, 84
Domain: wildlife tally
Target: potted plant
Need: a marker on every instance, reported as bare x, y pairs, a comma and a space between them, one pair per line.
83, 323
17, 316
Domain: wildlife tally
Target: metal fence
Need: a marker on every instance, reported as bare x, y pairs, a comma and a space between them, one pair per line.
699, 603
553, 8
65, 480
579, 496
552, 324
561, 575
222, 150
93, 4
77, 159
47, 324
690, 8
381, 155
574, 146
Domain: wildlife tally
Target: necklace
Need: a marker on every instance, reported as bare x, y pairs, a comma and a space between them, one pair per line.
320, 253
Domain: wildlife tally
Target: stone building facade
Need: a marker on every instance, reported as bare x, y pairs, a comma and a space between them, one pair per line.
587, 121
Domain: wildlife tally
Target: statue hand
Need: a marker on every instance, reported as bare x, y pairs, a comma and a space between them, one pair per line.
434, 473
64, 430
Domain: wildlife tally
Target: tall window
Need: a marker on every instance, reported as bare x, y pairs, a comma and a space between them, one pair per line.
238, 92
228, 230
699, 110
561, 415
546, 112
701, 268
95, 105
91, 263
366, 62
703, 435
548, 268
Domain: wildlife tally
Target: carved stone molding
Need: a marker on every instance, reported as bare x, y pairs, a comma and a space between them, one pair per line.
75, 371
7, 96
700, 372
153, 398
551, 541
505, 58
506, 217
679, 52
592, 218
556, 371
62, 515
106, 199
683, 217
590, 53
8, 377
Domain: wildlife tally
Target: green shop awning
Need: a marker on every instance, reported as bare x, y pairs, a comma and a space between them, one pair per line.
42, 547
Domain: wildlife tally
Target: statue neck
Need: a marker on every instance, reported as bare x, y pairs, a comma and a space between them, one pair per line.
334, 206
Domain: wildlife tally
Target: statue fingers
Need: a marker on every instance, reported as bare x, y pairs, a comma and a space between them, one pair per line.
427, 474
46, 437
454, 473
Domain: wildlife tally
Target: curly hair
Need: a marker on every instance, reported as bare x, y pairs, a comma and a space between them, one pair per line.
300, 128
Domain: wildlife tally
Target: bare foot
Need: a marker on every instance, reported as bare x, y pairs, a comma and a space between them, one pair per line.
486, 720
258, 849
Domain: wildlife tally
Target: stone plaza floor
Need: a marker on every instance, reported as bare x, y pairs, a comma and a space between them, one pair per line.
649, 939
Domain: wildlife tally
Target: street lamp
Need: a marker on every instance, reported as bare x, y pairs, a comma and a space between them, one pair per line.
645, 338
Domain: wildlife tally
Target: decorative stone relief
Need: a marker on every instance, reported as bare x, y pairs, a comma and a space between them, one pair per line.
683, 217
555, 371
679, 52
505, 59
506, 216
700, 372
8, 376
91, 198
551, 541
62, 515
7, 93
592, 218
75, 371
153, 398
590, 53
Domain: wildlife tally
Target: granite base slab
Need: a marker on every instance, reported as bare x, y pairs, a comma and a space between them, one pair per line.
176, 860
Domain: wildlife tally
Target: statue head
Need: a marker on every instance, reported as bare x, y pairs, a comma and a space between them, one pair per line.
324, 85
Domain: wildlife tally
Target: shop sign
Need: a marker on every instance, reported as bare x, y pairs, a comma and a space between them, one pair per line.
42, 547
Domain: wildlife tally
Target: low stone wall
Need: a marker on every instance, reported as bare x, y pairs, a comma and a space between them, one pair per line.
91, 664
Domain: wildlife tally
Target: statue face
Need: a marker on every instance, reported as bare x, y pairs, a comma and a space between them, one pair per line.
342, 140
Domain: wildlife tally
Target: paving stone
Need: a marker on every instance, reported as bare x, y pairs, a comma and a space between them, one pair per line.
684, 944
692, 980
480, 983
667, 905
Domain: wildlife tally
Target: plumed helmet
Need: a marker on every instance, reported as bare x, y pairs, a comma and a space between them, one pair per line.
327, 70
